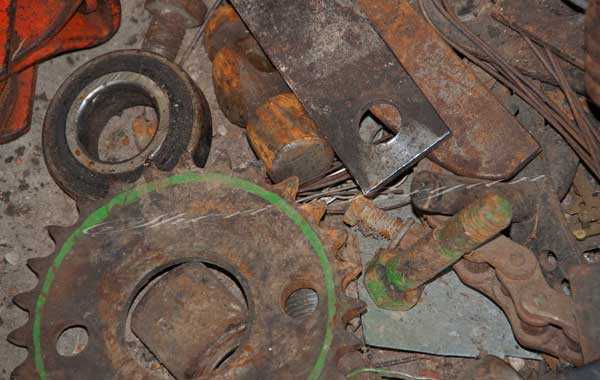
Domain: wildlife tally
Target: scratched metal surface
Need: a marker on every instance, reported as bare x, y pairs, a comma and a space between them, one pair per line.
338, 66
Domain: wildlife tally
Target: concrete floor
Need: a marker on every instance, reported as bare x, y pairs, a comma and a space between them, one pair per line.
29, 198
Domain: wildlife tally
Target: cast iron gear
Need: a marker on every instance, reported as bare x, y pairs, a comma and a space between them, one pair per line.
270, 246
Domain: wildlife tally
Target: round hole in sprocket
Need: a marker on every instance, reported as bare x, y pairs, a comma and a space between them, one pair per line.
301, 303
72, 341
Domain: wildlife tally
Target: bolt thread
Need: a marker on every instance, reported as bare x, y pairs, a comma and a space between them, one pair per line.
476, 224
164, 36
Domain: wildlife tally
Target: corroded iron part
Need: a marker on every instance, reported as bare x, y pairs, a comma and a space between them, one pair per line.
287, 140
336, 64
104, 87
584, 280
234, 224
244, 80
225, 28
541, 317
486, 141
170, 19
252, 94
592, 51
190, 320
394, 277
508, 42
490, 368
538, 20
448, 194
372, 220
243, 77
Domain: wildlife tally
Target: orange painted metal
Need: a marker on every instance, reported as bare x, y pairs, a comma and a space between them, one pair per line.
16, 100
32, 31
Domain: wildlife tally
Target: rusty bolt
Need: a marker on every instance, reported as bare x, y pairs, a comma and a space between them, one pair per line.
170, 20
394, 278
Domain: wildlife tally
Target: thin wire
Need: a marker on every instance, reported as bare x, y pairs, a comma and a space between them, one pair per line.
388, 372
521, 85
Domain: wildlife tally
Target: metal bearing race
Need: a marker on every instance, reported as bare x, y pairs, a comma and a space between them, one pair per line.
103, 88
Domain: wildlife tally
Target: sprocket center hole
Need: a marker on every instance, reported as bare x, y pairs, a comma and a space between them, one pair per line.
188, 320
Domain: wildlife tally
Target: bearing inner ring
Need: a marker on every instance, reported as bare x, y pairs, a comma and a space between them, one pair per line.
104, 98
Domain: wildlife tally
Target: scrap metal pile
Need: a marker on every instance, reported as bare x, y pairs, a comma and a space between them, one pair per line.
426, 181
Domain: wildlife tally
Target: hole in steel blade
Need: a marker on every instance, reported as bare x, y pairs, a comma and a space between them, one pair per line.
380, 123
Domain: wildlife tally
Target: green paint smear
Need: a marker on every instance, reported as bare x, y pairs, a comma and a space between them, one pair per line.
451, 254
397, 278
376, 290
130, 196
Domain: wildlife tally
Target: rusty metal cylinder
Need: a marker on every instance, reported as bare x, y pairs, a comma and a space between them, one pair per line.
592, 51
224, 29
286, 139
252, 94
170, 20
394, 277
243, 81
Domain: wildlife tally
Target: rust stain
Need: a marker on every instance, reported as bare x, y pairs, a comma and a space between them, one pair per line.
487, 141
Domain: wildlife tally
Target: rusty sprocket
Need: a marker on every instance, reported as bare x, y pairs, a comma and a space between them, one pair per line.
251, 231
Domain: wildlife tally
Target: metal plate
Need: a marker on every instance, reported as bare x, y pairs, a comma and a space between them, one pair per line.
584, 281
487, 141
338, 66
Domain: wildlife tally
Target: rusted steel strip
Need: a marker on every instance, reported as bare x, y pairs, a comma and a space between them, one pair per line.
487, 141
553, 24
584, 280
592, 54
339, 67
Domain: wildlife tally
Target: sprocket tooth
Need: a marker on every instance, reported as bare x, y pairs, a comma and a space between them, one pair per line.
39, 265
84, 208
24, 371
313, 212
26, 300
287, 189
57, 233
349, 358
347, 262
333, 239
351, 308
19, 337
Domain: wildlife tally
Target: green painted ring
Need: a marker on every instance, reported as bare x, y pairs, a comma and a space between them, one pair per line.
130, 196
